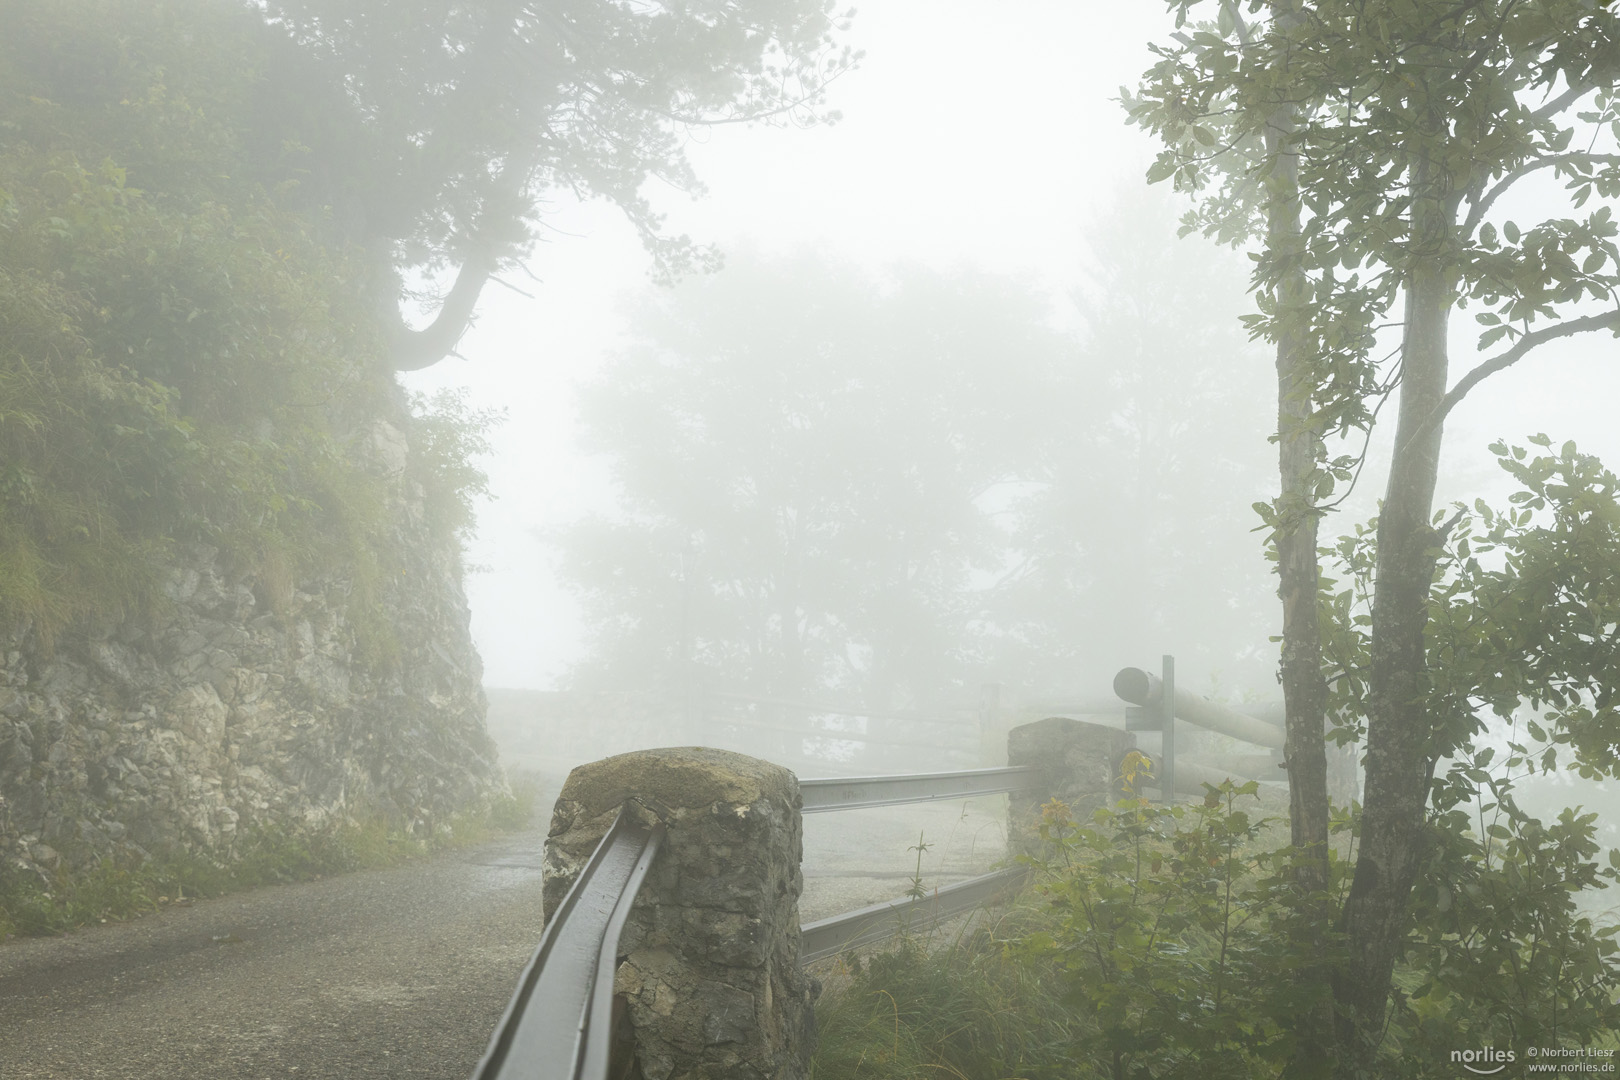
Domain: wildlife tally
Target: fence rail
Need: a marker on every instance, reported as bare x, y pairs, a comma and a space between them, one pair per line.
855, 792
559, 1023
869, 925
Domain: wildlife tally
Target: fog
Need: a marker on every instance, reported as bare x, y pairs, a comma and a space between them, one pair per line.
1108, 519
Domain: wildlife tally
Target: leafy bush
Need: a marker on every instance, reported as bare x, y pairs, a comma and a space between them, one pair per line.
1171, 942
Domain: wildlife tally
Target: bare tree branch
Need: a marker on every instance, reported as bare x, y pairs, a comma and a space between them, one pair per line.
1477, 213
1561, 102
413, 350
1520, 350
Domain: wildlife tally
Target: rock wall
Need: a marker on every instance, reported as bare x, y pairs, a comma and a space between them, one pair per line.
709, 960
227, 713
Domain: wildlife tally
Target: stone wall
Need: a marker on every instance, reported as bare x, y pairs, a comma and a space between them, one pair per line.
1079, 764
709, 960
228, 712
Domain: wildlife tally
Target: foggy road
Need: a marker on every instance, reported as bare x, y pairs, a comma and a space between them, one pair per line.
400, 972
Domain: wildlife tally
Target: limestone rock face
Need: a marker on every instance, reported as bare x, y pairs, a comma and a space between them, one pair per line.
230, 712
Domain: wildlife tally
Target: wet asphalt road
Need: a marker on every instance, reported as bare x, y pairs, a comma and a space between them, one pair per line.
401, 972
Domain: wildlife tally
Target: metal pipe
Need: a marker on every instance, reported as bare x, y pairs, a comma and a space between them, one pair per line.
853, 792
1144, 688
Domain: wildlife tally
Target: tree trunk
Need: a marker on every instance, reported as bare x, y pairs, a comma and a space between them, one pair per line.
1299, 453
1399, 761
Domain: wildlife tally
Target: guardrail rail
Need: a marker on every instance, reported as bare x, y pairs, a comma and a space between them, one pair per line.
547, 1030
558, 1025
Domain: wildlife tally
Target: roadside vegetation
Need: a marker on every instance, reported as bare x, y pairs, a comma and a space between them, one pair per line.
114, 890
1169, 941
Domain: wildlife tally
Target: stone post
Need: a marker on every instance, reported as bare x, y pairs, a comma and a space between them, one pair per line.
1079, 764
709, 972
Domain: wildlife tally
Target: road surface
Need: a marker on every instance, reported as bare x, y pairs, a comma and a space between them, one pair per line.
399, 972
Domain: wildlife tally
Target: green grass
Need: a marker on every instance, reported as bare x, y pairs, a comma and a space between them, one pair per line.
958, 1007
114, 889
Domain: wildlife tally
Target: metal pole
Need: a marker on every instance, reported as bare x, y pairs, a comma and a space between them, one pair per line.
1167, 705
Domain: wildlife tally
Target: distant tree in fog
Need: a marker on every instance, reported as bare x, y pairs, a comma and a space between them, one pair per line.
898, 491
803, 456
1135, 538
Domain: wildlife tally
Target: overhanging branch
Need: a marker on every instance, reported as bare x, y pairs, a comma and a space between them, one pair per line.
1477, 212
413, 350
1521, 348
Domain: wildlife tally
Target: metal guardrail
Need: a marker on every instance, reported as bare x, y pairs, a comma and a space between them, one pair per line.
868, 925
854, 792
559, 1023
864, 926
548, 1030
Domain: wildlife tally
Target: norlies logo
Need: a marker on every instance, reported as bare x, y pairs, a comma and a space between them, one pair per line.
1486, 1062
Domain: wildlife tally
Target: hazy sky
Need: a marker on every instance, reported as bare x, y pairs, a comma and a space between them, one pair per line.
967, 140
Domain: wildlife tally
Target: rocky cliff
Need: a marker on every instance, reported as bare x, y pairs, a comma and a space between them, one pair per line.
242, 703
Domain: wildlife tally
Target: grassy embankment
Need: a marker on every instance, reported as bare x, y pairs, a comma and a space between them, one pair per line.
111, 890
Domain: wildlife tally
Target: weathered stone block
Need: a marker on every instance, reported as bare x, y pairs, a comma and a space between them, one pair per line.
1079, 764
710, 957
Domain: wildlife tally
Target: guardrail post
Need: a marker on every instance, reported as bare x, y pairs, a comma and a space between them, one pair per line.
709, 970
1079, 764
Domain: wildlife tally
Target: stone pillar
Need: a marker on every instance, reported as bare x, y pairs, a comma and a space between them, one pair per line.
709, 962
1079, 764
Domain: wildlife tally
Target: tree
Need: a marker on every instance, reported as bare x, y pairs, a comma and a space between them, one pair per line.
803, 456
1080, 484
1366, 149
429, 134
1129, 540
458, 121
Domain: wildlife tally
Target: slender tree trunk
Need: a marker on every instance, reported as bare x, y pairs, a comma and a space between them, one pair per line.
1400, 754
1299, 446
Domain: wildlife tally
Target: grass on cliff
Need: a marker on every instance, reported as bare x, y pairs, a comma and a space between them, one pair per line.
117, 889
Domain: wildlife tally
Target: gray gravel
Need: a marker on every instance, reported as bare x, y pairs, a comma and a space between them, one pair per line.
400, 972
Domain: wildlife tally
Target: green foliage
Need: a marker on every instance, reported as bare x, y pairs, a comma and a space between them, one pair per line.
1387, 108
1501, 955
1523, 614
1169, 941
1170, 926
446, 437
1520, 643
1369, 145
965, 1008
181, 360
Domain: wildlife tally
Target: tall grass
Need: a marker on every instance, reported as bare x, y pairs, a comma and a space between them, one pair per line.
959, 1006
